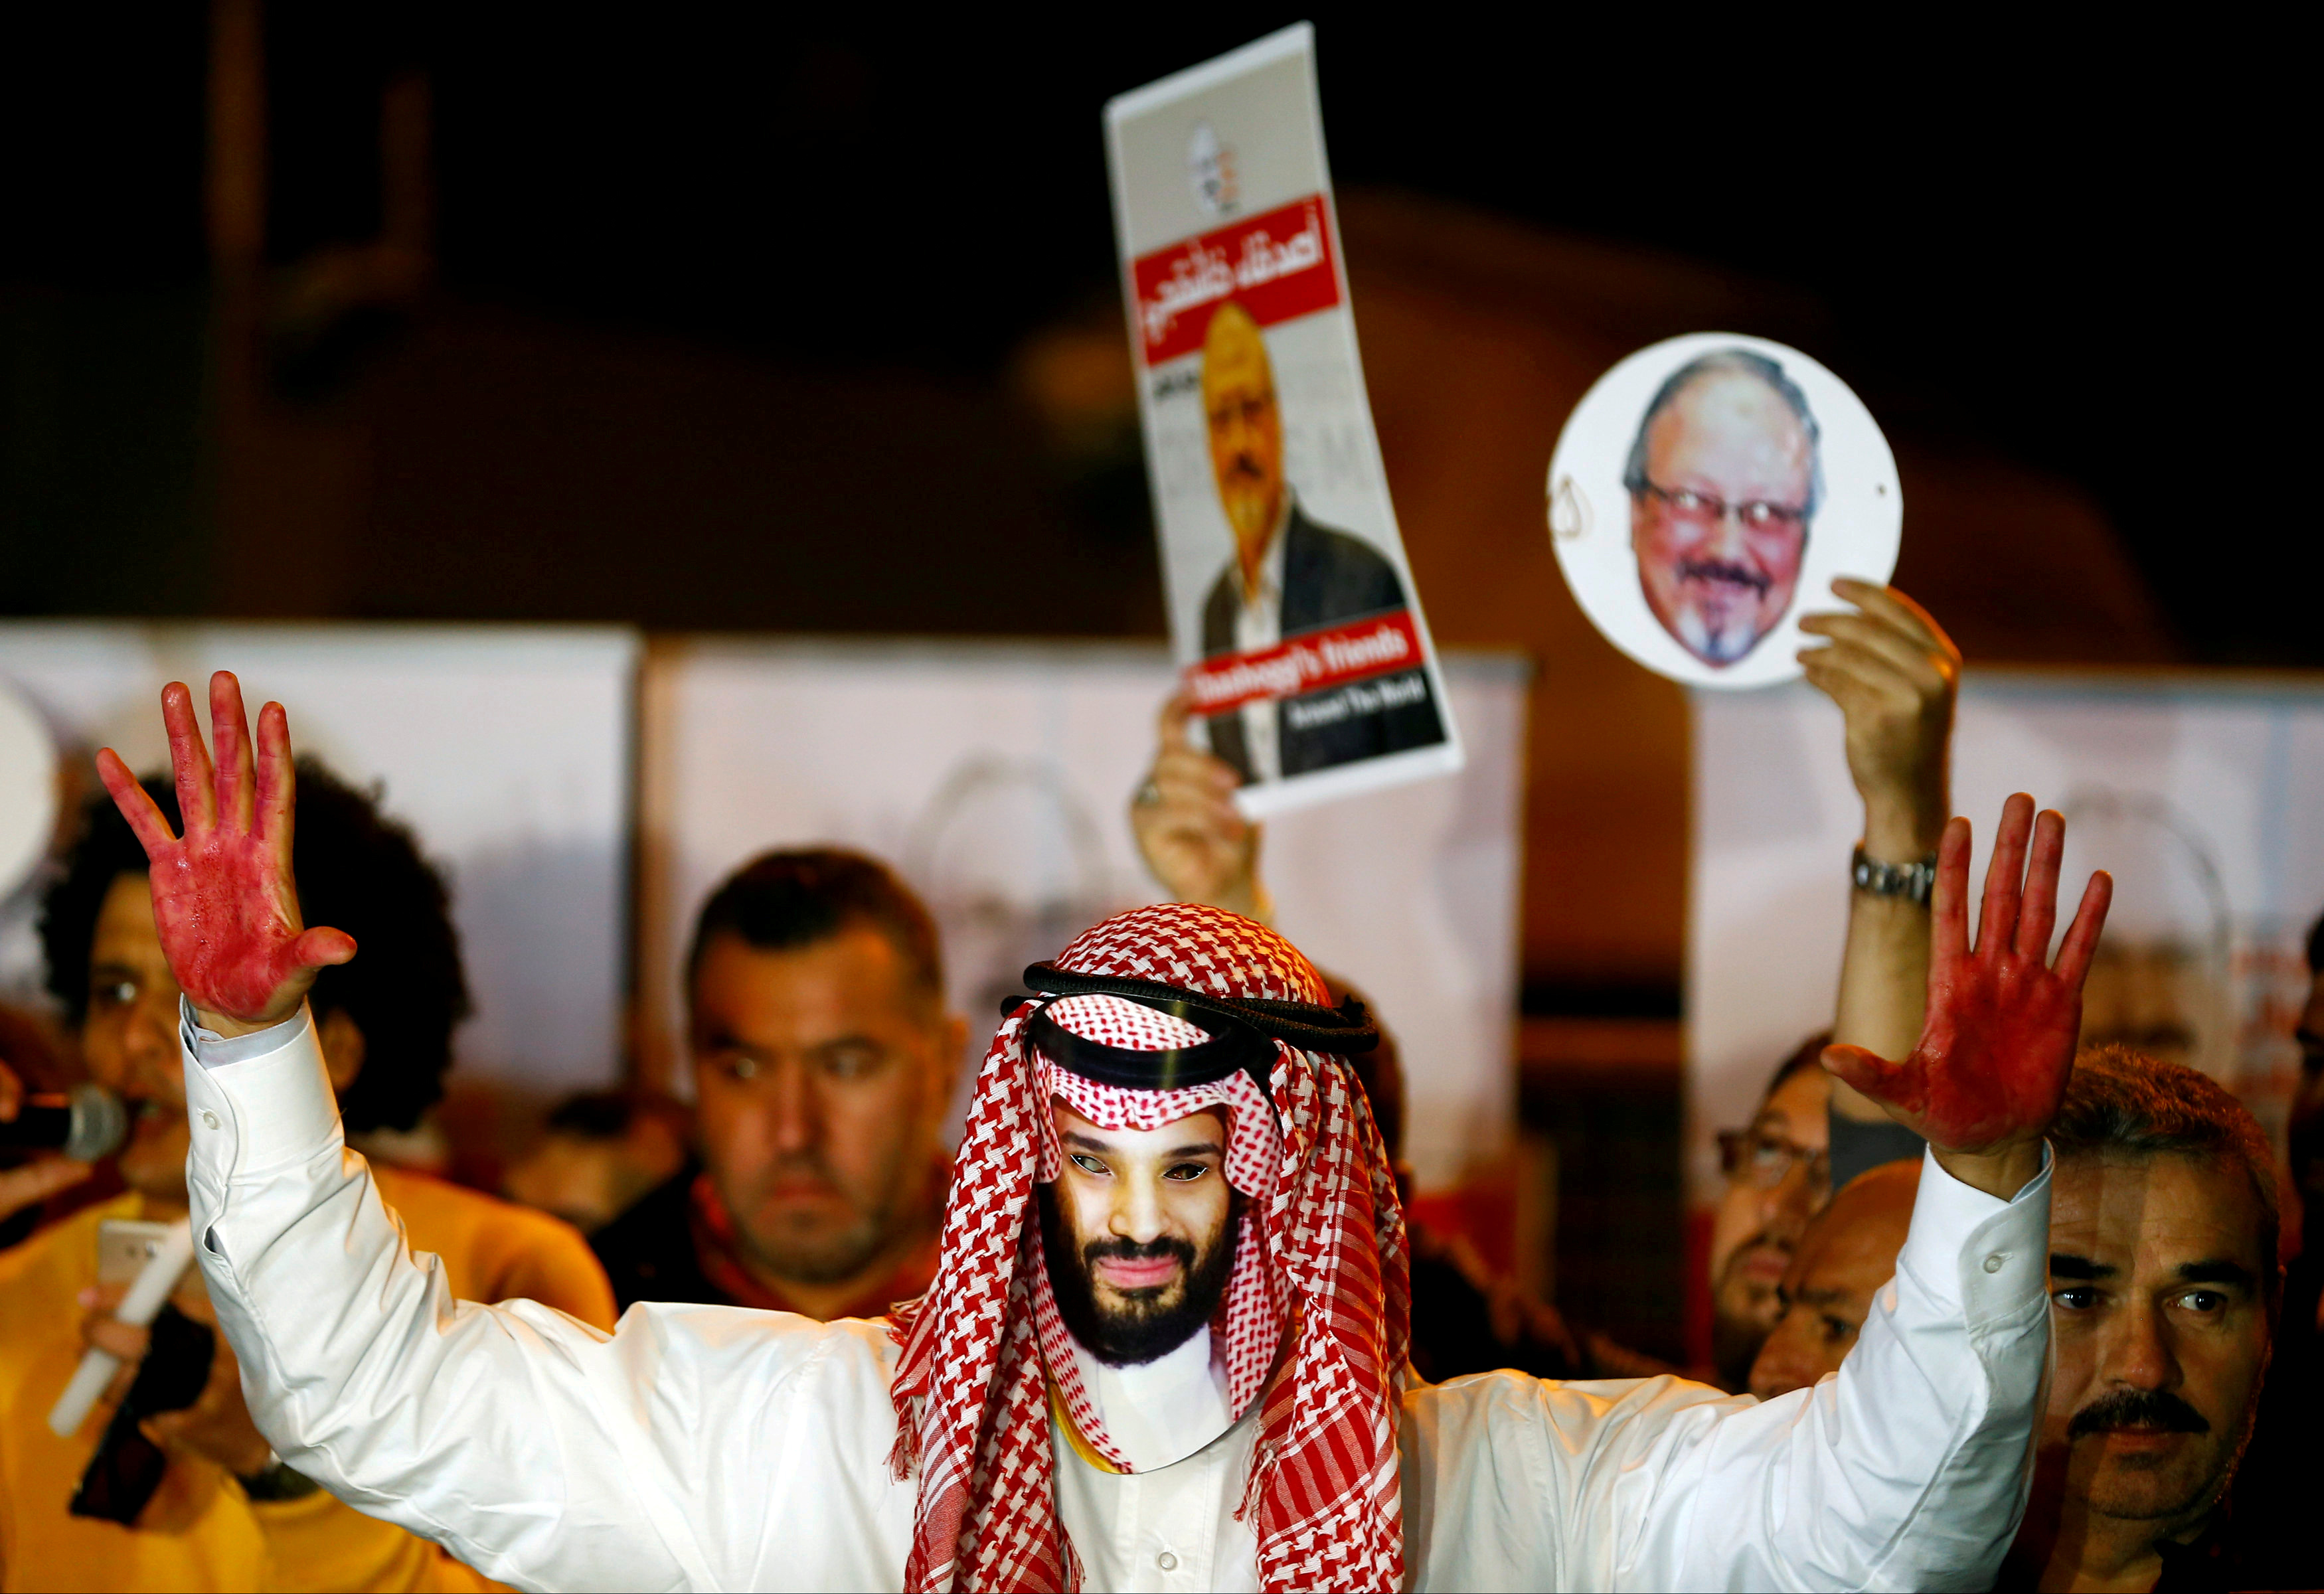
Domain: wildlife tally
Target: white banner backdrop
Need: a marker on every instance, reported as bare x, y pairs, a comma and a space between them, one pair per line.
997, 777
506, 749
2204, 796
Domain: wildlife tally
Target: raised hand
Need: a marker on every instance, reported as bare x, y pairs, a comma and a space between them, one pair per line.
223, 896
1997, 1046
1188, 829
1894, 674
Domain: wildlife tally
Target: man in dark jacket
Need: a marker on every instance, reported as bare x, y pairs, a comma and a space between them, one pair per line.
823, 1070
1291, 576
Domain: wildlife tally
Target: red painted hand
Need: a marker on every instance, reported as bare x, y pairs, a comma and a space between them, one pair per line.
223, 895
1998, 1043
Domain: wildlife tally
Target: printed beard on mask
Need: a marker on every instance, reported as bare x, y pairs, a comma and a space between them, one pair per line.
1151, 1323
1719, 613
1717, 632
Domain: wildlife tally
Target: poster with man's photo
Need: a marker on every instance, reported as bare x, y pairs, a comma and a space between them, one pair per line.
1304, 658
1704, 494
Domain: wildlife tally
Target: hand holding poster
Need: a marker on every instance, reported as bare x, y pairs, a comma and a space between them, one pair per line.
1705, 490
1302, 649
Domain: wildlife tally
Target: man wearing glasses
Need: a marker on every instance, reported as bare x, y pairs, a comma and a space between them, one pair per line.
1723, 481
1778, 1177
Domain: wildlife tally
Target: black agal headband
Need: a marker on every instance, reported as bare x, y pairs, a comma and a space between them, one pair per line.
1243, 1031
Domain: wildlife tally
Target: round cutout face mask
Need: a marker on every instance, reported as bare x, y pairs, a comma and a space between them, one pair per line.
1153, 1309
1704, 490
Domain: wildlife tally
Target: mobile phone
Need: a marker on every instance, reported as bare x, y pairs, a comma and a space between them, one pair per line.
124, 1247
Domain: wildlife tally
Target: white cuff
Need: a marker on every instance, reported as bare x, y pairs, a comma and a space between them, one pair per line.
1987, 1257
216, 1051
253, 1103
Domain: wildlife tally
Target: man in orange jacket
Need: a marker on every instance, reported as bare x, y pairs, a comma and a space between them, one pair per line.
225, 1514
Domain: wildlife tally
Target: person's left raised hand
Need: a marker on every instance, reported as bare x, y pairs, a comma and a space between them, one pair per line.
1998, 1043
224, 898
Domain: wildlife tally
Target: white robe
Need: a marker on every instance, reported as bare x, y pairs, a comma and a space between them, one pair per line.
707, 1447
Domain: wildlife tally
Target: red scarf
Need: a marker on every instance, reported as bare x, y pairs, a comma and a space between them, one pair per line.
1322, 1257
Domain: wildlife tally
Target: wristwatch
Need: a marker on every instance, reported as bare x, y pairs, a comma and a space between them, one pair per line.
1912, 881
276, 1482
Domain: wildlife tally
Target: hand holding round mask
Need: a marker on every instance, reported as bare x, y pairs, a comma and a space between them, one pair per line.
1703, 488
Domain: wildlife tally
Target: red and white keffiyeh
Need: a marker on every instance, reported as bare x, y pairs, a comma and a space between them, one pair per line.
1320, 1257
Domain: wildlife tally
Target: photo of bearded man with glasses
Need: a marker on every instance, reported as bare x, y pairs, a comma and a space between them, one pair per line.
1724, 479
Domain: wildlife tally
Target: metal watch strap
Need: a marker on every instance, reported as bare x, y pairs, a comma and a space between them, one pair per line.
1912, 881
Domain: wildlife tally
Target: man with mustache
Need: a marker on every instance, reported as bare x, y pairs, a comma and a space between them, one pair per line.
1174, 1075
1724, 481
823, 1069
1289, 576
2164, 1288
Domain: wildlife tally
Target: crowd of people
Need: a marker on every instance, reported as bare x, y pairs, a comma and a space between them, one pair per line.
1985, 1313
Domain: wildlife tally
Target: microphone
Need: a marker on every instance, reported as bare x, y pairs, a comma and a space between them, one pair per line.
85, 1125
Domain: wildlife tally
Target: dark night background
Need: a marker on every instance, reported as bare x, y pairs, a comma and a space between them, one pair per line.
2076, 249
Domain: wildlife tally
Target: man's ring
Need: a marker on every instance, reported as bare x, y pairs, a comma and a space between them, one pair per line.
1146, 795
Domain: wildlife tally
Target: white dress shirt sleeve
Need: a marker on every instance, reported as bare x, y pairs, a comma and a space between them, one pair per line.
1905, 1470
695, 1448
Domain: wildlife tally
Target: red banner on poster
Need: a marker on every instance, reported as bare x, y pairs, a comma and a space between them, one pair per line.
1276, 266
1310, 662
